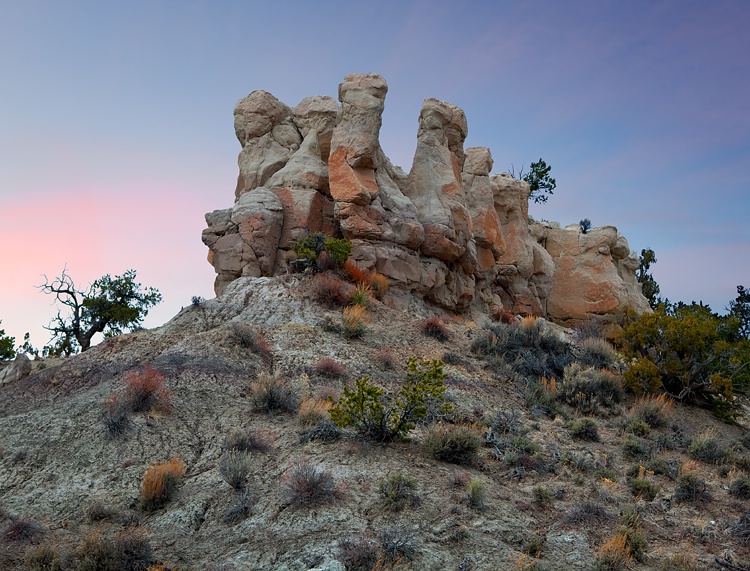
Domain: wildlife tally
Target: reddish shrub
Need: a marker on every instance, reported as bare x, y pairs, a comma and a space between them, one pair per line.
502, 314
356, 274
329, 367
254, 340
329, 291
436, 328
385, 358
145, 391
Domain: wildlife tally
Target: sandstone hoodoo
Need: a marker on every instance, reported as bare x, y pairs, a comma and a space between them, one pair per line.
448, 230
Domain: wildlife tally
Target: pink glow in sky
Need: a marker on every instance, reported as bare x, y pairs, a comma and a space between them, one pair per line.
116, 128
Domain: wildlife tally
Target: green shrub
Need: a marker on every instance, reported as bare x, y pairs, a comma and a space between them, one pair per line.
399, 492
476, 494
454, 444
542, 495
655, 411
43, 558
691, 488
740, 487
636, 447
694, 355
318, 251
707, 448
643, 488
361, 295
584, 429
590, 391
366, 409
638, 428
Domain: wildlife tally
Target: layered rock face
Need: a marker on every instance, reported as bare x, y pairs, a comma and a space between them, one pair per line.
448, 231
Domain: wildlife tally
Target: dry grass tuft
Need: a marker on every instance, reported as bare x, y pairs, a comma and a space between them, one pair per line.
271, 394
160, 482
252, 339
655, 411
355, 317
314, 411
379, 285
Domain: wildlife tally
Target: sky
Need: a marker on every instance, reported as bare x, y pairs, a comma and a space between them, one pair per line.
116, 126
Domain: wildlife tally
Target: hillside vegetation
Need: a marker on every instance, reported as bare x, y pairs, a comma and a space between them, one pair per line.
304, 422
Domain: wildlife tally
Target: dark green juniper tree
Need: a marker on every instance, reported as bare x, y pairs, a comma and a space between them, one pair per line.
110, 306
540, 182
648, 284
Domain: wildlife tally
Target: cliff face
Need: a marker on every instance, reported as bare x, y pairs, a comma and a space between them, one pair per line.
447, 231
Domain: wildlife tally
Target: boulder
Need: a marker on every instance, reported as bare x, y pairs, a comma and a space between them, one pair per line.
17, 370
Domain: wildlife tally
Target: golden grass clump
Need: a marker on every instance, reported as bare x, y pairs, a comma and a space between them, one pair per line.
160, 482
313, 411
379, 285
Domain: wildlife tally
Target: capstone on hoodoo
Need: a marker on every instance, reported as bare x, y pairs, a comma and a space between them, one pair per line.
448, 230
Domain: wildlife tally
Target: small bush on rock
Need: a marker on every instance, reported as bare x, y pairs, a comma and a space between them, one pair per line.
241, 506
589, 390
160, 483
127, 551
436, 328
309, 484
239, 440
362, 554
329, 291
145, 391
398, 544
250, 338
476, 494
234, 468
584, 429
271, 394
329, 367
355, 317
454, 444
313, 411
115, 417
22, 529
399, 492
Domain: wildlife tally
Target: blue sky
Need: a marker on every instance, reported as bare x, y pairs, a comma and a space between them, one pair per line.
116, 131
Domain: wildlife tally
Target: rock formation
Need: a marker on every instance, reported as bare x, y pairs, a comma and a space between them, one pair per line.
448, 231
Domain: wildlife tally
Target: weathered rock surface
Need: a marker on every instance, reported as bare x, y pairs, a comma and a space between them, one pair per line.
18, 369
448, 231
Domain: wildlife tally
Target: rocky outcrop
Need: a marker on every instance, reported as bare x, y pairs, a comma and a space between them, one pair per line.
448, 230
18, 369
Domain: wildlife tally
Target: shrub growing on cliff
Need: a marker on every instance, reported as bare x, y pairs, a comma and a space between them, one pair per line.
318, 252
367, 409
